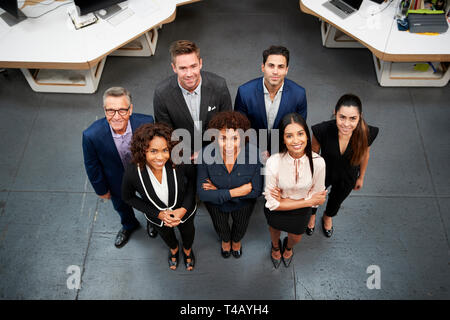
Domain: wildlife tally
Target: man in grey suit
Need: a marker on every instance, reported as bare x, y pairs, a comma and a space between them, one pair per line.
191, 97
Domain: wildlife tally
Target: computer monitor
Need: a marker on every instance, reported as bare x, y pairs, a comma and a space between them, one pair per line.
88, 6
12, 15
355, 4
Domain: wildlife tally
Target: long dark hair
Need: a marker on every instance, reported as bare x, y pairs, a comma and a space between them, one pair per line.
296, 118
359, 140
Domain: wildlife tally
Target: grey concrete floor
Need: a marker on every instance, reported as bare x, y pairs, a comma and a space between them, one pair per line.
51, 219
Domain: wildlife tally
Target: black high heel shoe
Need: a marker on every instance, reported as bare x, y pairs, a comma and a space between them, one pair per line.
286, 261
190, 256
327, 233
175, 256
225, 254
310, 231
236, 253
276, 262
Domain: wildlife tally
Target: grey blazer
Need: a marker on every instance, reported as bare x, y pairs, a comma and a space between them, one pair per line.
170, 107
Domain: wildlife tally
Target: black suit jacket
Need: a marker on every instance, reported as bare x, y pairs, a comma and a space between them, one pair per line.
170, 107
183, 188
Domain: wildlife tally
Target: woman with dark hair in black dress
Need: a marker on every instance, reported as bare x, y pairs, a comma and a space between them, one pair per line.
344, 143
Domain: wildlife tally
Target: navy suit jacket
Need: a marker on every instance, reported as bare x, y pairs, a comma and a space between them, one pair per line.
101, 158
250, 101
242, 173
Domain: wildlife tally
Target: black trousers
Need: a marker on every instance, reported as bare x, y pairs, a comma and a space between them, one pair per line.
240, 219
336, 196
126, 213
187, 231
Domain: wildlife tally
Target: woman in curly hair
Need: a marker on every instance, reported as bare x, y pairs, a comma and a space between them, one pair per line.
229, 186
167, 193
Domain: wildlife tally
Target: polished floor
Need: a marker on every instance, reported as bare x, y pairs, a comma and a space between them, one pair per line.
50, 218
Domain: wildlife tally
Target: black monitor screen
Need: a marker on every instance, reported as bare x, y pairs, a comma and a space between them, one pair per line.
10, 6
355, 4
87, 6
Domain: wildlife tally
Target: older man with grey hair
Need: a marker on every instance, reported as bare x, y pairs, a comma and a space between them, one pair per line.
106, 150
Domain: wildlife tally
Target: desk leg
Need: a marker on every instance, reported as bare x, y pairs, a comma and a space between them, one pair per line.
334, 38
65, 81
404, 74
144, 46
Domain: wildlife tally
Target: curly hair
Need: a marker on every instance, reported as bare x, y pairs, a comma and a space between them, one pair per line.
229, 120
142, 137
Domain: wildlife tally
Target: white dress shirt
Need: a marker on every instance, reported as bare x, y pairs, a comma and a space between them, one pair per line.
161, 189
193, 102
293, 177
272, 106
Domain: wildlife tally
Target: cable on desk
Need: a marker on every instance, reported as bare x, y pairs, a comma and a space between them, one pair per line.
65, 3
19, 3
390, 2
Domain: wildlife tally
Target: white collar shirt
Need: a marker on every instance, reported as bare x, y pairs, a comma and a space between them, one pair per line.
293, 177
161, 189
272, 106
192, 100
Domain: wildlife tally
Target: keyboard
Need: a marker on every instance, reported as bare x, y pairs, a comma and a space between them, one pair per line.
342, 6
121, 16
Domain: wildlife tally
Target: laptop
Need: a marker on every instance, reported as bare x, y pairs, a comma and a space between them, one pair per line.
343, 8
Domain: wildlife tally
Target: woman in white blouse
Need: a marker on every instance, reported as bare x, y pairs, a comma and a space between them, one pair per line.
166, 193
295, 182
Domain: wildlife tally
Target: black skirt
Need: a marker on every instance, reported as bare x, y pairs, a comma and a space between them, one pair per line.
292, 221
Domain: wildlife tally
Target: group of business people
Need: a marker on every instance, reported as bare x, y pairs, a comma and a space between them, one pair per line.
128, 157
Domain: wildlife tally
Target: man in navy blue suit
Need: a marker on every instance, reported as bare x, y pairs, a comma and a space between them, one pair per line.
106, 151
267, 99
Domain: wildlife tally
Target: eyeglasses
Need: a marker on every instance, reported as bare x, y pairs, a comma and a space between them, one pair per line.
112, 112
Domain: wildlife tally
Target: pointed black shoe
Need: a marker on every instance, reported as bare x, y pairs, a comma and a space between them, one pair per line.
190, 256
310, 231
326, 232
171, 262
225, 254
123, 236
276, 262
236, 253
151, 231
287, 261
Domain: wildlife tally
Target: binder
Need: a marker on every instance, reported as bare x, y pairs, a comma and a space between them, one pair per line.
421, 21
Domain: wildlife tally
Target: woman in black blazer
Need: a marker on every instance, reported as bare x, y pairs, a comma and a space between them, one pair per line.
166, 193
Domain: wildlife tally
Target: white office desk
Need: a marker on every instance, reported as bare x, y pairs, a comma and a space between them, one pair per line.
395, 53
52, 43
